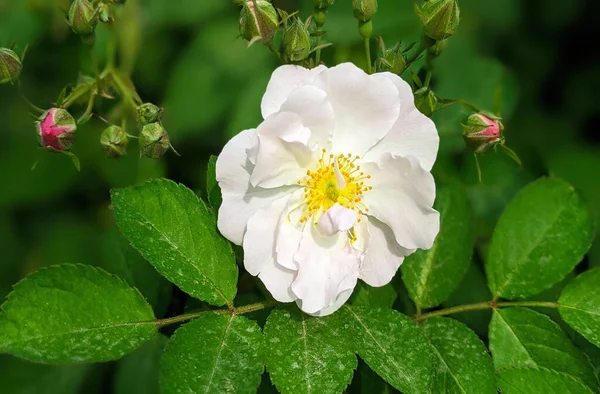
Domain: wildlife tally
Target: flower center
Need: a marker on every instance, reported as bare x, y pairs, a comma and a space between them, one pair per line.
337, 179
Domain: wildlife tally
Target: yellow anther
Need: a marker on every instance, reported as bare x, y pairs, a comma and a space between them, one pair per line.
322, 190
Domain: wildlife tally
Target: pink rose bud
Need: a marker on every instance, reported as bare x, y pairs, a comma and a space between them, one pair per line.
481, 132
56, 129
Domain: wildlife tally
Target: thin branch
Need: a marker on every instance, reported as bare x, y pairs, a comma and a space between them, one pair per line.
235, 311
485, 305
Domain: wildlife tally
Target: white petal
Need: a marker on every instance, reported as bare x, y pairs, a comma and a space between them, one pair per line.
316, 113
278, 280
327, 267
259, 251
288, 242
259, 240
402, 197
337, 303
383, 256
240, 199
365, 106
289, 232
337, 219
413, 134
284, 81
232, 167
283, 154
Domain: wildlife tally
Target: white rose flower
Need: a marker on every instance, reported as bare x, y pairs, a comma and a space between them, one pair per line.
333, 186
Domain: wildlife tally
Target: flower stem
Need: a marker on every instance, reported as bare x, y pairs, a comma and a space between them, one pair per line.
319, 16
415, 56
428, 78
124, 91
88, 111
367, 41
76, 95
235, 311
366, 30
485, 305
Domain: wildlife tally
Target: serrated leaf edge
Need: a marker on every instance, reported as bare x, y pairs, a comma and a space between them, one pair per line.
115, 192
538, 368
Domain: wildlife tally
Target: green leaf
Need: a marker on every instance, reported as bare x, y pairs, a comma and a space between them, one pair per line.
590, 350
392, 346
580, 305
175, 231
520, 337
503, 179
124, 261
379, 297
531, 380
474, 280
213, 354
542, 235
74, 314
137, 373
308, 354
370, 382
463, 362
213, 191
22, 377
432, 275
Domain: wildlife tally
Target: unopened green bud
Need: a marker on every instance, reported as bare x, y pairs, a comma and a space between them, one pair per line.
392, 60
10, 66
105, 13
439, 18
154, 140
149, 113
425, 101
323, 4
296, 41
482, 131
364, 9
83, 18
114, 140
258, 21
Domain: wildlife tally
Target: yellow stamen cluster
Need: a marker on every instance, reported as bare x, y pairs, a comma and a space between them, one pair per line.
337, 180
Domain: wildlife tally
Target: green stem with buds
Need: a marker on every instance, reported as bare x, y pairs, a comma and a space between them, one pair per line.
232, 311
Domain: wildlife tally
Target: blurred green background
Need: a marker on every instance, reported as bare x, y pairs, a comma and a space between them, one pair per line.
534, 60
